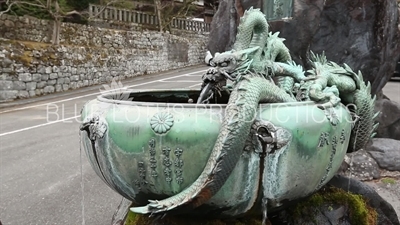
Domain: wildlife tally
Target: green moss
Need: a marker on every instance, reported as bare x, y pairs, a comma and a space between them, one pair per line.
360, 212
138, 219
388, 180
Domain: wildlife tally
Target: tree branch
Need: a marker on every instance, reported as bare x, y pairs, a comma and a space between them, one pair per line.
12, 3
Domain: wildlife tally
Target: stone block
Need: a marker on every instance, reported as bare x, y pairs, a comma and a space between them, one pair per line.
26, 77
9, 23
41, 84
109, 79
32, 93
58, 88
41, 69
19, 85
61, 74
8, 69
67, 80
98, 75
74, 78
64, 69
48, 89
81, 70
30, 86
6, 62
114, 73
79, 84
6, 85
23, 94
73, 70
72, 85
60, 81
8, 95
53, 76
36, 77
48, 70
45, 77
55, 69
51, 82
38, 91
65, 87
4, 76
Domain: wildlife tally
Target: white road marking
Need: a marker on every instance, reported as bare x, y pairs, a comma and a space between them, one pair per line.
179, 81
69, 99
191, 86
37, 126
83, 96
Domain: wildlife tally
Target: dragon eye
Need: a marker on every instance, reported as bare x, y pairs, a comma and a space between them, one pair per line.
224, 64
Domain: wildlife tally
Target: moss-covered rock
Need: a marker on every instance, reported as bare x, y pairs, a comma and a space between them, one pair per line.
138, 219
332, 205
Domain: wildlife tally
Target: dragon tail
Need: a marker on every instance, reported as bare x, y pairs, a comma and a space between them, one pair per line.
365, 127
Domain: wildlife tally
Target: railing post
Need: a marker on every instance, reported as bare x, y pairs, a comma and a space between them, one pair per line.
90, 10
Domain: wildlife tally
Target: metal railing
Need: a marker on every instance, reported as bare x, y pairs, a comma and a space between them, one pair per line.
131, 16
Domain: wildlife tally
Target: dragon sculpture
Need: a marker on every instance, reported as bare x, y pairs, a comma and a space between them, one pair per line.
262, 71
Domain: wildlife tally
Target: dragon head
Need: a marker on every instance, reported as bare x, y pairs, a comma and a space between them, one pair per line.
231, 63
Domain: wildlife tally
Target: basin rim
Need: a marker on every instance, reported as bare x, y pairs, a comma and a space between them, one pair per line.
103, 98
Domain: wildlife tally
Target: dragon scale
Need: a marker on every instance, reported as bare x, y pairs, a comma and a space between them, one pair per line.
252, 31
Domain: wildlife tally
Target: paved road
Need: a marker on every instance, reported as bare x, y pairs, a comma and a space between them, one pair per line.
392, 90
44, 178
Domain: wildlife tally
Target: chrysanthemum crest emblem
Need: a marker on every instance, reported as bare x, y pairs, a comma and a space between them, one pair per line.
162, 122
116, 90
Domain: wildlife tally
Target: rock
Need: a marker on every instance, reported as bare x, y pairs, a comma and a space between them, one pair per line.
389, 118
342, 201
8, 95
31, 86
360, 165
386, 212
25, 77
19, 85
23, 94
386, 152
223, 27
6, 85
48, 89
363, 35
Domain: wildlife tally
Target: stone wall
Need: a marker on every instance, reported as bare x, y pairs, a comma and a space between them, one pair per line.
87, 55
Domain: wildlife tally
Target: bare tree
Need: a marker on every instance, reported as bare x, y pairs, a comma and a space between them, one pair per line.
53, 8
